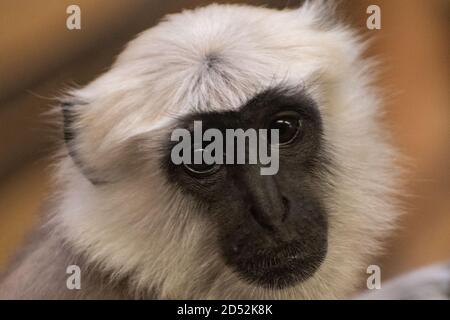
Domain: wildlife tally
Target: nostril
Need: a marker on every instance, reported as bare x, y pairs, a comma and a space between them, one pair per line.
260, 218
286, 207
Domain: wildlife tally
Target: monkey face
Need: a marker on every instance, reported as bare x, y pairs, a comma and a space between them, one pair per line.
271, 229
226, 231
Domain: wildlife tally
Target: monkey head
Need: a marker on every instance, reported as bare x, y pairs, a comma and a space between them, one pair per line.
225, 230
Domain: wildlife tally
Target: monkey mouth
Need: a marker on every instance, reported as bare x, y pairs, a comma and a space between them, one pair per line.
279, 267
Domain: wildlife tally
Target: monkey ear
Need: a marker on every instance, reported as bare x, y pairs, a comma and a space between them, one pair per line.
69, 131
101, 161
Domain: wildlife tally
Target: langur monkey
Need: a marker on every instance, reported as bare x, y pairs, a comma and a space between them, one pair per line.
140, 227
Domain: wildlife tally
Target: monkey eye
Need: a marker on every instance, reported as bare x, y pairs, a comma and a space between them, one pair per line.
201, 168
289, 125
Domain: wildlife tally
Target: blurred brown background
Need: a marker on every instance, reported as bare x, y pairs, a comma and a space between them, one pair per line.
39, 57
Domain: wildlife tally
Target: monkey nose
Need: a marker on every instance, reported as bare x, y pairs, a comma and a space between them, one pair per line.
266, 204
271, 215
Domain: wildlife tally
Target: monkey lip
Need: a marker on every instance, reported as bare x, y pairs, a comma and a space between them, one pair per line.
279, 259
282, 273
279, 268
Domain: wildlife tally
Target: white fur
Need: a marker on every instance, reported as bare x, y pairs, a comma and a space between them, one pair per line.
140, 225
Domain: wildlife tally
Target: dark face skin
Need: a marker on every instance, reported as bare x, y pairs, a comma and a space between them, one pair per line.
272, 230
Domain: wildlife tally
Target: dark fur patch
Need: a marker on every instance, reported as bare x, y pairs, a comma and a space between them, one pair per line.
272, 230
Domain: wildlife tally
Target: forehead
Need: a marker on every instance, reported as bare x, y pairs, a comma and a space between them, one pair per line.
212, 59
217, 58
